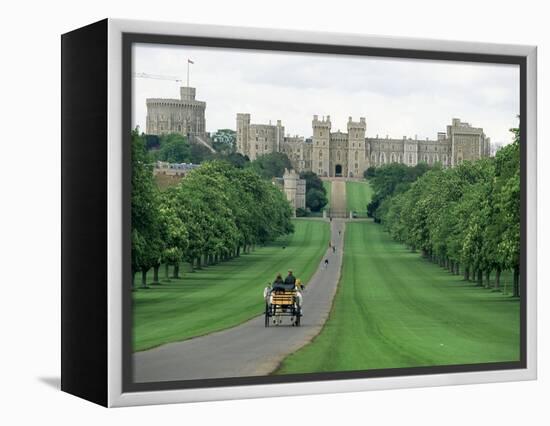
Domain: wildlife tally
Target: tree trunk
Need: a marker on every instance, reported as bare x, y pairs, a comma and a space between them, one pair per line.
457, 268
479, 278
176, 271
199, 266
144, 278
133, 280
156, 274
166, 272
488, 278
466, 273
238, 251
516, 281
497, 279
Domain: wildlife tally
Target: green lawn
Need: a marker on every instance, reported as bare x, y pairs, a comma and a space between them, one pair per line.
358, 195
394, 309
226, 294
328, 186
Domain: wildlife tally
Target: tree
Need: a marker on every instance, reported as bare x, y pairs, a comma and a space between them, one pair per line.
316, 199
236, 159
389, 179
174, 148
199, 153
146, 230
224, 141
271, 165
316, 193
370, 172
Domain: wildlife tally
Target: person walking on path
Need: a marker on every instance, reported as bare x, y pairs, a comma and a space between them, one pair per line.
326, 263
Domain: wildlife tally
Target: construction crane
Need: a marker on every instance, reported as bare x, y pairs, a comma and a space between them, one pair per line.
157, 77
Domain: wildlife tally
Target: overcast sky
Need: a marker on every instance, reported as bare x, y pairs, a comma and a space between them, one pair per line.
397, 97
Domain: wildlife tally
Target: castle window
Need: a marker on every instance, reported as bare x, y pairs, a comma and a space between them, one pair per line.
356, 154
410, 159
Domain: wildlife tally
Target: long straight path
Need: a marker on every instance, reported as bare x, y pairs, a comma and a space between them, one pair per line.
251, 349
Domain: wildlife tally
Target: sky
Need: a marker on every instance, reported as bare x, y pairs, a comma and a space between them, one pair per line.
398, 97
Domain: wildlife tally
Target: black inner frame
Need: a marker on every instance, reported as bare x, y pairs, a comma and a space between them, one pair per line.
128, 39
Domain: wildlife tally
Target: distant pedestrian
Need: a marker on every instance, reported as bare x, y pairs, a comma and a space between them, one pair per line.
334, 249
339, 232
326, 263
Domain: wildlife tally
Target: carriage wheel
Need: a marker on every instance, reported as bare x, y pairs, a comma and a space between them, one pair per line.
266, 315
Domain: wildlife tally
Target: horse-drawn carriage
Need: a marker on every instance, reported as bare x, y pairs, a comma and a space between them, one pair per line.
282, 303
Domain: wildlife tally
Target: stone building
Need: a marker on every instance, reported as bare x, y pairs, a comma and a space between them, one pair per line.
258, 139
184, 116
294, 189
349, 154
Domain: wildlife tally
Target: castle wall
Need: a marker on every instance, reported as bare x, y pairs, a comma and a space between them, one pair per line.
350, 154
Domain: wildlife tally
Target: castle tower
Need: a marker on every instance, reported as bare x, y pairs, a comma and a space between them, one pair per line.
357, 156
243, 131
185, 116
467, 142
295, 189
320, 163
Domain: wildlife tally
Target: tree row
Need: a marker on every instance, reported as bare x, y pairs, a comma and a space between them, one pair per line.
465, 218
215, 213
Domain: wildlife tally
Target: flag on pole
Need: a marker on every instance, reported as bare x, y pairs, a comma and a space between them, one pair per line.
190, 61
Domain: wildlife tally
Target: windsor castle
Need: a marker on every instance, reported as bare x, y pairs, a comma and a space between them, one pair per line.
326, 152
349, 154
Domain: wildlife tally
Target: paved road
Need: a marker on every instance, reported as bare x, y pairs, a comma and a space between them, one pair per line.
250, 349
